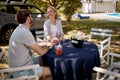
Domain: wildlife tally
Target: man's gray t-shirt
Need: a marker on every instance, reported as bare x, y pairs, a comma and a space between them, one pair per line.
19, 53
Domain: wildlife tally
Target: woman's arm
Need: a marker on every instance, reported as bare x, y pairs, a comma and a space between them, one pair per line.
62, 38
61, 31
46, 27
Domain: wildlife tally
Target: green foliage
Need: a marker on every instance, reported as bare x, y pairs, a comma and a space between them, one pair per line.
39, 3
118, 6
56, 3
69, 8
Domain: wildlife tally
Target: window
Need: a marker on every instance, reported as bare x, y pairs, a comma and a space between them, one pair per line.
10, 9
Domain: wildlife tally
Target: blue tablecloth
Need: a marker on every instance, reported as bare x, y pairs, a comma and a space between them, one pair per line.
74, 63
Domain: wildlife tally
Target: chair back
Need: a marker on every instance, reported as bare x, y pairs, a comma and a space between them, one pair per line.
4, 76
100, 32
39, 35
110, 74
23, 68
113, 73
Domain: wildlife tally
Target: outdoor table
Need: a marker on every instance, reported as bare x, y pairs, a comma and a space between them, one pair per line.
74, 63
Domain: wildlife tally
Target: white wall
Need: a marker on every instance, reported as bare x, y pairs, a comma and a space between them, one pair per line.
106, 6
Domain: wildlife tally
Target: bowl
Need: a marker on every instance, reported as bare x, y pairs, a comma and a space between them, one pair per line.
77, 43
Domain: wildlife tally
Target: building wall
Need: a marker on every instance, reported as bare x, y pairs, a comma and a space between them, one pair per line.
94, 7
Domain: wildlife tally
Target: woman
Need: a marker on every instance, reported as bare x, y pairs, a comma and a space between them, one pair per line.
53, 31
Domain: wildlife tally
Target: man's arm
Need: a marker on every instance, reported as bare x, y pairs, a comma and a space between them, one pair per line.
39, 49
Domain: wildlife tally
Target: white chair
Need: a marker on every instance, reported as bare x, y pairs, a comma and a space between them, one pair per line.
39, 35
9, 70
103, 37
110, 74
29, 77
114, 71
113, 56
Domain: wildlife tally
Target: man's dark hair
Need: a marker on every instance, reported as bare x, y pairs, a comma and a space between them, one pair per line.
22, 15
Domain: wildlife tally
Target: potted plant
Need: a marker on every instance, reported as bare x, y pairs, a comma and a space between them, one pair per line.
77, 39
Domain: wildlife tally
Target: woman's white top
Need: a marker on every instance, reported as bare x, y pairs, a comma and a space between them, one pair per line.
53, 30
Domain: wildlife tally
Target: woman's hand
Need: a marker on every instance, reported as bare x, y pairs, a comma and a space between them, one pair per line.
62, 38
49, 38
54, 41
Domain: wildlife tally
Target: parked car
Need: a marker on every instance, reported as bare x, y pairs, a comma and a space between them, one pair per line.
7, 18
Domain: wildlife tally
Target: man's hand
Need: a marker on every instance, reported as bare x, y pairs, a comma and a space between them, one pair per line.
49, 45
46, 44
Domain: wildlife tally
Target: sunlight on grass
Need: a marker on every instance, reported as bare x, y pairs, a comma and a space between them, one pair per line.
85, 25
3, 65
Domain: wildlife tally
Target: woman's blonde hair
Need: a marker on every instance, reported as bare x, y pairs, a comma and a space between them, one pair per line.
55, 10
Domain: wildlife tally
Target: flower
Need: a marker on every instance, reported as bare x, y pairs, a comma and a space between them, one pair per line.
77, 35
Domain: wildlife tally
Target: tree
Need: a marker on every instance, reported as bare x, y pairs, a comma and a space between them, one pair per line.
68, 6
56, 3
118, 6
45, 3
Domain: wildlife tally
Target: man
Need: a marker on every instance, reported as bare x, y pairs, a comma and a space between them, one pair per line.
21, 42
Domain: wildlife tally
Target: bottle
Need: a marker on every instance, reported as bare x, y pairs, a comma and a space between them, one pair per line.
59, 49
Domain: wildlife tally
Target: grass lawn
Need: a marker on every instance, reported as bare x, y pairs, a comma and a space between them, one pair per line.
85, 25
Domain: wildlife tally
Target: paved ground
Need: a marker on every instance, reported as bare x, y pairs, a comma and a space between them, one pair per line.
103, 16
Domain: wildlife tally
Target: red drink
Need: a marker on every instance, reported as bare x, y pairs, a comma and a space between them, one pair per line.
58, 51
